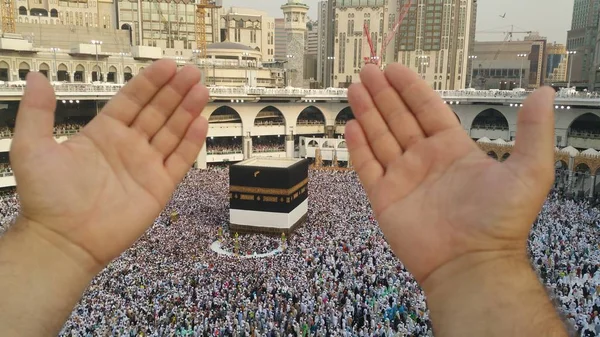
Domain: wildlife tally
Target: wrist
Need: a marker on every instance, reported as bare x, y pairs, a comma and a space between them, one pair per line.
476, 265
37, 278
58, 248
498, 292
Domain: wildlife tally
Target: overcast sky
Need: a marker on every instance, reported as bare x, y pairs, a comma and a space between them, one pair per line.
552, 18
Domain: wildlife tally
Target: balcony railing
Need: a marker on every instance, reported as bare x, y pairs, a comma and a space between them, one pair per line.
490, 127
584, 134
17, 88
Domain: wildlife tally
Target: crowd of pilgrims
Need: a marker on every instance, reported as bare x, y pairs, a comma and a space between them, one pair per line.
60, 129
228, 145
249, 244
336, 277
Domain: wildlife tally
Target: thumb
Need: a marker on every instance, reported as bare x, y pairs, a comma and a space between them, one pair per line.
533, 154
35, 118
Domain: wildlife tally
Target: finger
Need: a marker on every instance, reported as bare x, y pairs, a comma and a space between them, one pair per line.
363, 159
428, 107
399, 120
186, 153
168, 137
127, 104
533, 154
155, 114
35, 118
380, 138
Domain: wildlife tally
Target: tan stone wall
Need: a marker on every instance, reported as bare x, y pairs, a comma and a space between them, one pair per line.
64, 37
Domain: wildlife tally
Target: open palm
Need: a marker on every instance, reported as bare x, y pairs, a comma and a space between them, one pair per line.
436, 195
95, 194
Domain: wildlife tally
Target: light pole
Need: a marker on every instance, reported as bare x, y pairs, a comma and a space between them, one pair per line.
570, 53
522, 56
332, 59
54, 50
288, 57
471, 58
245, 58
97, 43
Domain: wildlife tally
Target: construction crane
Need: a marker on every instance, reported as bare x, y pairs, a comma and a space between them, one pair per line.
167, 29
373, 58
201, 7
8, 16
508, 37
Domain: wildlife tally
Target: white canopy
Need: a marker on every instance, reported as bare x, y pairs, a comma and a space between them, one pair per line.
590, 152
570, 150
499, 141
484, 140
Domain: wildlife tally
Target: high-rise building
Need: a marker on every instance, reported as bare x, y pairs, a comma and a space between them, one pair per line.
168, 25
311, 52
280, 40
472, 41
294, 14
434, 40
556, 67
582, 39
350, 45
84, 44
249, 27
312, 38
70, 13
325, 45
512, 64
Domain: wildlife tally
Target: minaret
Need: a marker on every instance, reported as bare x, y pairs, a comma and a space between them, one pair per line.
294, 13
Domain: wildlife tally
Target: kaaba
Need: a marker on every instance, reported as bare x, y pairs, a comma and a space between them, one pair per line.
268, 195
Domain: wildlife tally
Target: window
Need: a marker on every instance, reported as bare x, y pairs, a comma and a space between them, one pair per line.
355, 52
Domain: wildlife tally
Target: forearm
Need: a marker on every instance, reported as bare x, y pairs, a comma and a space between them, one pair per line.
487, 294
39, 285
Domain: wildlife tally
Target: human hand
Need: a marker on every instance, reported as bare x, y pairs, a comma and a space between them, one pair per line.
95, 194
436, 195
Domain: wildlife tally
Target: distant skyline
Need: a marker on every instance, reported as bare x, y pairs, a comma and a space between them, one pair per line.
552, 18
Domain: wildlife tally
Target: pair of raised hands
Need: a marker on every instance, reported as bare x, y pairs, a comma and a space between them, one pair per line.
457, 219
436, 196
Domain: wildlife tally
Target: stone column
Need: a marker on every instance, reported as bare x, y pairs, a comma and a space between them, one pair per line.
201, 161
570, 179
334, 161
289, 146
247, 146
330, 131
72, 79
318, 158
593, 187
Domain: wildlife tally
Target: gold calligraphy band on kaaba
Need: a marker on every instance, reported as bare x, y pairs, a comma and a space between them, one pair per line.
270, 191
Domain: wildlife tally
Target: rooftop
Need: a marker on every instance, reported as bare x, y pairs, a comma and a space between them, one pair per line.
270, 162
228, 45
